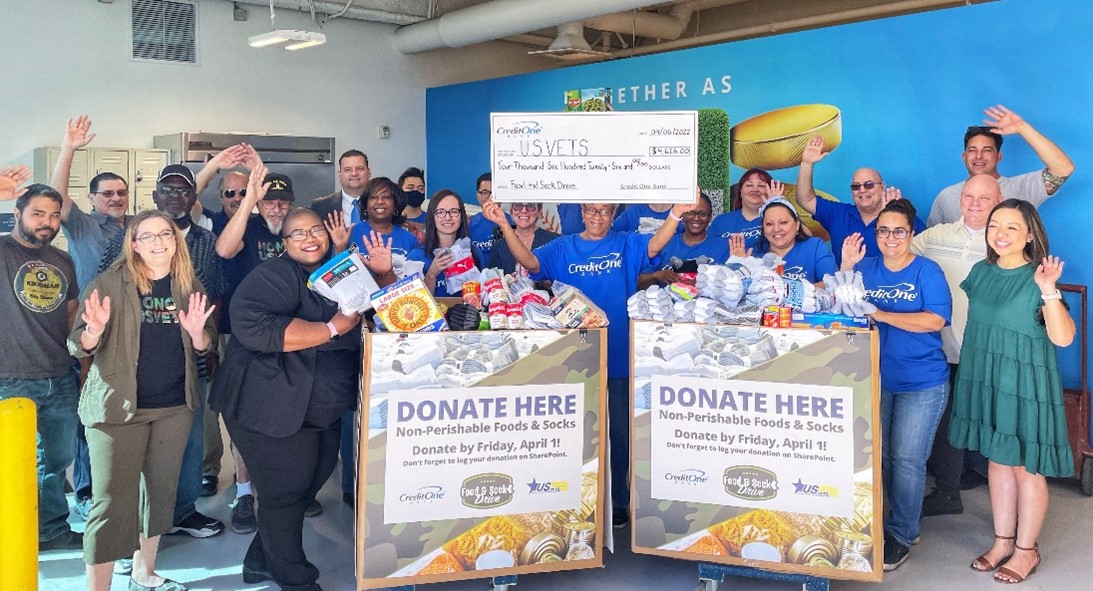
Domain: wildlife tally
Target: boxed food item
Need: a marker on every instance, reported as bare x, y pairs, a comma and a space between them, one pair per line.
406, 306
572, 101
574, 310
827, 320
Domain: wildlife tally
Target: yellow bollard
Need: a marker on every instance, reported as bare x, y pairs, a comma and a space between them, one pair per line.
18, 495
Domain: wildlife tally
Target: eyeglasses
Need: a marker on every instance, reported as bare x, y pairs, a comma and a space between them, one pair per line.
524, 207
604, 212
484, 192
298, 235
110, 194
448, 213
899, 233
148, 237
168, 191
230, 193
696, 215
867, 185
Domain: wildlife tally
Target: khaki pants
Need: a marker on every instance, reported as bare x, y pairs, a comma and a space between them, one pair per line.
134, 476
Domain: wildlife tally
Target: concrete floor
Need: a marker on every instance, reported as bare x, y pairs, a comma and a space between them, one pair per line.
949, 543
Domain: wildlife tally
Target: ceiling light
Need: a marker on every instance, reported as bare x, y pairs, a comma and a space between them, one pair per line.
306, 39
270, 38
295, 39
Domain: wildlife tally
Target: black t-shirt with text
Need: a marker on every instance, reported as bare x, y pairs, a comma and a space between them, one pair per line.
161, 367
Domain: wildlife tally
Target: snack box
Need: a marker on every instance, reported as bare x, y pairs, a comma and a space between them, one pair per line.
406, 306
572, 101
828, 320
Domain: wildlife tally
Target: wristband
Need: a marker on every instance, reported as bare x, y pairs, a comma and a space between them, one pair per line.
1052, 296
91, 334
672, 214
333, 330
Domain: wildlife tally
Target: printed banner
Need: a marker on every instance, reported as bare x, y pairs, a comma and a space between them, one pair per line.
605, 157
480, 451
756, 446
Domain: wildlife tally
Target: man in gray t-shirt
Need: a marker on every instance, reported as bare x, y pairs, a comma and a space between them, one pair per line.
983, 151
39, 298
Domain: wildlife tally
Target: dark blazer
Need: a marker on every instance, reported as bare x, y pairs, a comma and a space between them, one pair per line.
260, 385
326, 204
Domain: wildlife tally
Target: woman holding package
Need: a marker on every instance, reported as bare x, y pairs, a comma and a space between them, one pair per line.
1008, 402
604, 264
694, 242
148, 312
806, 258
290, 372
913, 305
446, 222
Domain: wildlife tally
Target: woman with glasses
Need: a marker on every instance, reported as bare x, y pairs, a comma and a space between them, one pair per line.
526, 228
756, 186
806, 258
290, 372
694, 242
604, 264
1008, 401
913, 305
147, 312
446, 223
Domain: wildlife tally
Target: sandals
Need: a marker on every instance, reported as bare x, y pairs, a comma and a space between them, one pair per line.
982, 565
1015, 577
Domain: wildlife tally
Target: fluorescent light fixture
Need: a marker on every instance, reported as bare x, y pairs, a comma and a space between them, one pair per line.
307, 39
295, 39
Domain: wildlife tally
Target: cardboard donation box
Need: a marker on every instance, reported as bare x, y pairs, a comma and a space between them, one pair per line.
758, 446
480, 455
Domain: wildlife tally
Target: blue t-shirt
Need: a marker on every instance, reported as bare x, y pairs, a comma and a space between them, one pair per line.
420, 218
733, 222
441, 291
809, 260
481, 231
402, 241
570, 219
714, 247
630, 219
909, 361
843, 219
606, 270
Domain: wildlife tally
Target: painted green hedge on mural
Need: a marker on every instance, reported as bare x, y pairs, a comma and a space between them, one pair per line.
713, 149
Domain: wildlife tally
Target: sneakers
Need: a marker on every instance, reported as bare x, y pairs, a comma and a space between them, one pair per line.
895, 553
83, 507
620, 517
198, 526
123, 566
208, 486
243, 520
939, 503
315, 508
69, 540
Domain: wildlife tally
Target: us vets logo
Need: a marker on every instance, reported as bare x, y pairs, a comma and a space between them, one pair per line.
40, 286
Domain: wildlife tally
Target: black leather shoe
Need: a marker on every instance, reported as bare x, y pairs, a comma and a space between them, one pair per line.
253, 575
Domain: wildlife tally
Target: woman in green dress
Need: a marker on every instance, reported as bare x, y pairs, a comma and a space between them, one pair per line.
1008, 399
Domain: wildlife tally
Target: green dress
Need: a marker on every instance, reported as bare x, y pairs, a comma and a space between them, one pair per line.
1008, 400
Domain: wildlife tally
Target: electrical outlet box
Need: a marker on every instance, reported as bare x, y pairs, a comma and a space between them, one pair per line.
383, 132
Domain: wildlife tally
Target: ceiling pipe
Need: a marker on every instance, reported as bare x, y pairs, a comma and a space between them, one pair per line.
653, 24
502, 18
346, 9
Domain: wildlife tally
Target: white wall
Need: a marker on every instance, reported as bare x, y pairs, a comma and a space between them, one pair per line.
67, 57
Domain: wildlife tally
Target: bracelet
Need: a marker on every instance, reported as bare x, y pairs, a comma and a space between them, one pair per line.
333, 330
1052, 296
672, 214
91, 334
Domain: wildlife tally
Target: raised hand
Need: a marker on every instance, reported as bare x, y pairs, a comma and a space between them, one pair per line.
1002, 120
10, 179
256, 188
378, 260
777, 189
853, 251
228, 157
335, 226
736, 246
78, 133
892, 194
681, 208
96, 314
193, 321
1049, 271
493, 212
251, 159
814, 151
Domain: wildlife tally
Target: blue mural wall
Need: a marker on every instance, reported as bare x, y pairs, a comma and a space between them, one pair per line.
907, 88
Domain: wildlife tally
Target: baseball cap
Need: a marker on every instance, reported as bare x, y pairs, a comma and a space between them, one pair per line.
177, 170
280, 188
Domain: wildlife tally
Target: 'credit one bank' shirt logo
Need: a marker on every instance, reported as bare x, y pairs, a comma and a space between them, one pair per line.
893, 293
597, 265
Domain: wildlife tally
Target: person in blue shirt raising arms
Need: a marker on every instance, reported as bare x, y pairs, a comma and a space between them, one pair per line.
807, 258
756, 186
694, 242
604, 264
913, 305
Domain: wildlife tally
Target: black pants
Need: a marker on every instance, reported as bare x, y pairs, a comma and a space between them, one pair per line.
288, 472
946, 462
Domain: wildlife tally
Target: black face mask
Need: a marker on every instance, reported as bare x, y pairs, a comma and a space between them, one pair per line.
415, 198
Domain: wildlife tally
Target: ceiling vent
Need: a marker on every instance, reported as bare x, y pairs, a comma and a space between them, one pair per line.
570, 45
164, 31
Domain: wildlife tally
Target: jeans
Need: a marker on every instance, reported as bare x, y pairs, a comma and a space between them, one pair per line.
908, 423
81, 467
56, 400
618, 413
189, 475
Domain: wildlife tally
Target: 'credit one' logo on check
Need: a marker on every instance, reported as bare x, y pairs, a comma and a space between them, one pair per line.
521, 128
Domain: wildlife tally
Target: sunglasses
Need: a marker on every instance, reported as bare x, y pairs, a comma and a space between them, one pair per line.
168, 191
867, 185
110, 194
230, 193
524, 207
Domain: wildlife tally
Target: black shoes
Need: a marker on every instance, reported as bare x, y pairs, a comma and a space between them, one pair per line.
198, 526
620, 517
315, 508
243, 520
208, 486
895, 553
347, 498
939, 503
69, 540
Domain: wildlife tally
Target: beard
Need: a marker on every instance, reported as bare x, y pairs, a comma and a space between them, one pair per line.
34, 238
274, 227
